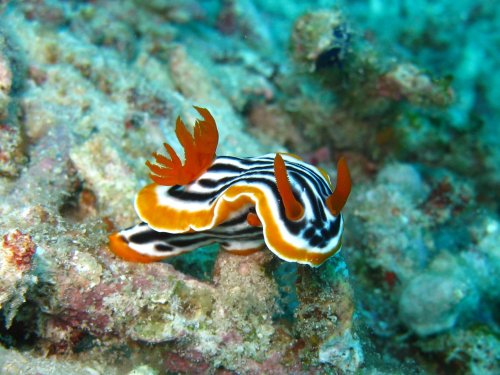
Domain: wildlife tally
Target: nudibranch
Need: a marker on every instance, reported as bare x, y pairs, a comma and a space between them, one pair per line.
276, 200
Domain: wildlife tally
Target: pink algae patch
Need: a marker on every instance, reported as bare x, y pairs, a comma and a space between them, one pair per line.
19, 249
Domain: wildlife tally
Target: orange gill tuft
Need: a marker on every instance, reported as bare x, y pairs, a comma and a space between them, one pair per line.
199, 152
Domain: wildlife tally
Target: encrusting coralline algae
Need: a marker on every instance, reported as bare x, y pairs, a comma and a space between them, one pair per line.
89, 89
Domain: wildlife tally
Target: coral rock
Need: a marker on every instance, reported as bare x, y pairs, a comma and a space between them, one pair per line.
16, 252
320, 39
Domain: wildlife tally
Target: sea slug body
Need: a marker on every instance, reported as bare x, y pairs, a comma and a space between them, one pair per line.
275, 201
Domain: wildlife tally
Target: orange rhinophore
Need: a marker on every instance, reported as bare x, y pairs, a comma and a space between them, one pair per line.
338, 199
275, 200
293, 209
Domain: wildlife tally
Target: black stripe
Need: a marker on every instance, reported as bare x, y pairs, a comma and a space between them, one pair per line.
318, 180
225, 168
235, 221
181, 239
208, 183
163, 247
150, 235
334, 227
248, 161
188, 242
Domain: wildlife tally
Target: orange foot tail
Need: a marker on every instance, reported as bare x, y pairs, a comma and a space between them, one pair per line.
119, 246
